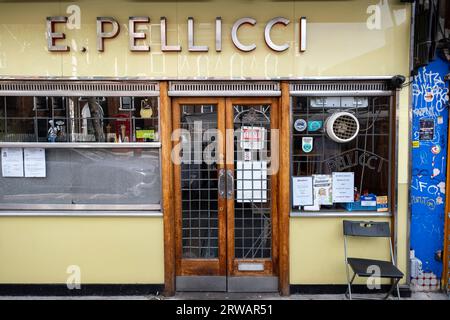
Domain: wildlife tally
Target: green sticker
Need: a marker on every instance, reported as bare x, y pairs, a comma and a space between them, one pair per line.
145, 134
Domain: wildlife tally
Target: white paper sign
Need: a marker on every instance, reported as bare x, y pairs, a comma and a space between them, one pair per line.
12, 162
302, 191
251, 181
322, 189
252, 137
34, 162
343, 187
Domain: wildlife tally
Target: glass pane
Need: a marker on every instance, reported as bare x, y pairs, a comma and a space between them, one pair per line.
367, 155
199, 183
86, 119
90, 176
253, 209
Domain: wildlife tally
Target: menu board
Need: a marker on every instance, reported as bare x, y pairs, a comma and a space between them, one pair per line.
343, 187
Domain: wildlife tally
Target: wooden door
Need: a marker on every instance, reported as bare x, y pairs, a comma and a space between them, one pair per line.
252, 219
226, 209
200, 210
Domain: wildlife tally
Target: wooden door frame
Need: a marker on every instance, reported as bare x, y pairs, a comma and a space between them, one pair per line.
168, 179
270, 265
188, 267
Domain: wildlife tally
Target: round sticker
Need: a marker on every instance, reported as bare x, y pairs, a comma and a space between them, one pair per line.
314, 125
300, 125
436, 149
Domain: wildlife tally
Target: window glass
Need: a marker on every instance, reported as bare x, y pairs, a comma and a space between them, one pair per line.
85, 119
119, 176
341, 150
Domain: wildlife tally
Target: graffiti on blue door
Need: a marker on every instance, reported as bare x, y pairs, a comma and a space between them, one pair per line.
429, 153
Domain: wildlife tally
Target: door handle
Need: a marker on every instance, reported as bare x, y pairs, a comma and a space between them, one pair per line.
230, 184
222, 184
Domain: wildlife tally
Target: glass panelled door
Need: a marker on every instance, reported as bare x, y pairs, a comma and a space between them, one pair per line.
225, 171
199, 170
252, 211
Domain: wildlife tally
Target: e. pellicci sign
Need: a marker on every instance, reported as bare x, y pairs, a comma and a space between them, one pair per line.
55, 39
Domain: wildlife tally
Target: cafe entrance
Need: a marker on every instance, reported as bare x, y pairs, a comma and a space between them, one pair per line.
225, 179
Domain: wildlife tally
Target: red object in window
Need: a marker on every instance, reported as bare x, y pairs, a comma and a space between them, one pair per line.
119, 121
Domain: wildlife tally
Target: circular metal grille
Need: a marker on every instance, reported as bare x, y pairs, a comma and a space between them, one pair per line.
345, 127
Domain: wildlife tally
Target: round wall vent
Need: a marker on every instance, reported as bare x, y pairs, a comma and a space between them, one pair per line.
342, 127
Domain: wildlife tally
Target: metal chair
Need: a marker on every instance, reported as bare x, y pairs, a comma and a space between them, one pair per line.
363, 267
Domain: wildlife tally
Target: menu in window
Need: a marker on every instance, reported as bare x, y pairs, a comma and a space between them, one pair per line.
12, 162
343, 187
302, 191
34, 163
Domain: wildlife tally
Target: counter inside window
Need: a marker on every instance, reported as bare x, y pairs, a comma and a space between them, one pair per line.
341, 154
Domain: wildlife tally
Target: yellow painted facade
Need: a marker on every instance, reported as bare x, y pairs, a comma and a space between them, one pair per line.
342, 41
107, 250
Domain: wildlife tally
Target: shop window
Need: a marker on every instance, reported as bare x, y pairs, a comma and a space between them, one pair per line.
83, 119
341, 154
80, 153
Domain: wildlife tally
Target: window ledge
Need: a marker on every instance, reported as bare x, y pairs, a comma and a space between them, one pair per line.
79, 145
81, 214
349, 214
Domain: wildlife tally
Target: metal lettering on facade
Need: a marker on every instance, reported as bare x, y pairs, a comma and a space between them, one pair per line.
134, 36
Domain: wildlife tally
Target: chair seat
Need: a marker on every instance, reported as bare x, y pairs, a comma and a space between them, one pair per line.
387, 269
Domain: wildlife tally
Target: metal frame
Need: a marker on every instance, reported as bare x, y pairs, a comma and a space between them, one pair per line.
224, 89
340, 87
77, 88
82, 207
348, 293
337, 214
82, 145
81, 213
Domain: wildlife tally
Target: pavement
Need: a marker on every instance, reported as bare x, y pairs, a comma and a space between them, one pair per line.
228, 296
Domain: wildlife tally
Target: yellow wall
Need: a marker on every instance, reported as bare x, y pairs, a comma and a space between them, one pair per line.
108, 250
317, 250
339, 40
339, 44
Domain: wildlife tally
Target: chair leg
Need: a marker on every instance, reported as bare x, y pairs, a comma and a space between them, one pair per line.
394, 285
348, 293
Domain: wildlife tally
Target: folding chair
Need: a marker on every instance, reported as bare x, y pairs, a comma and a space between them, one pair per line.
363, 267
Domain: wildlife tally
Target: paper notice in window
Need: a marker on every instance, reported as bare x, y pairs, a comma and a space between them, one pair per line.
252, 138
302, 191
251, 183
343, 187
34, 163
12, 162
